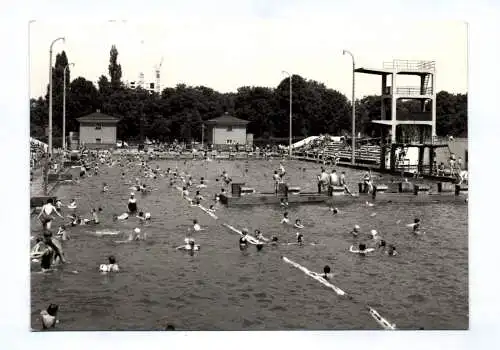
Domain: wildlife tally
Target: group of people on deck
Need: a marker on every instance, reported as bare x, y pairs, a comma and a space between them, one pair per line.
326, 180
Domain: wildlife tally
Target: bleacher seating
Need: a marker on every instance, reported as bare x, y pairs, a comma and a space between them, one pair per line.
328, 151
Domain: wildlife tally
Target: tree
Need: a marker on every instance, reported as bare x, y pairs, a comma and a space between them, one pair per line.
114, 69
82, 99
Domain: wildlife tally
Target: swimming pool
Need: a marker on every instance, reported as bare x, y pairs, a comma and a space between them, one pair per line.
222, 288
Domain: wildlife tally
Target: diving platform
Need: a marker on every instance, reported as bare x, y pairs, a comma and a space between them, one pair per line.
402, 192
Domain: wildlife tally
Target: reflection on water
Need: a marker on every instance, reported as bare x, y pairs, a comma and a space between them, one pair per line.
221, 288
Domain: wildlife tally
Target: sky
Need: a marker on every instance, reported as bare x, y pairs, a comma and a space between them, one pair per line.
225, 53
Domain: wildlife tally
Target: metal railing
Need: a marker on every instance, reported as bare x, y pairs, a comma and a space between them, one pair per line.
411, 65
413, 90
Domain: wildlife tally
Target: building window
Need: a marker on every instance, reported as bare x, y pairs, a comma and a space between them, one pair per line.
97, 140
229, 128
98, 127
229, 142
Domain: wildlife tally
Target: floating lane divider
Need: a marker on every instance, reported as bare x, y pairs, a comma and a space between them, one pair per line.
199, 206
208, 211
250, 238
315, 275
380, 320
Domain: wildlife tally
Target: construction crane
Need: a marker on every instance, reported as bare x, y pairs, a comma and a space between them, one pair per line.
157, 74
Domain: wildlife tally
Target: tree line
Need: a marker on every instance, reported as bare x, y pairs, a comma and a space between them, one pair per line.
178, 112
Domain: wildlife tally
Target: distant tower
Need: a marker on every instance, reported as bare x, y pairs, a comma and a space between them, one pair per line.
141, 80
157, 74
141, 74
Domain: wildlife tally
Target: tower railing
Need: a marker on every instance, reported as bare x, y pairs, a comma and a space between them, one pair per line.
411, 65
413, 90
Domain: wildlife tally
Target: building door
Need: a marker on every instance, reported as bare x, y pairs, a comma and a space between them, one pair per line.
97, 140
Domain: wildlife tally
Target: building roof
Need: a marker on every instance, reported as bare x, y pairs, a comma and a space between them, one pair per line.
227, 119
97, 117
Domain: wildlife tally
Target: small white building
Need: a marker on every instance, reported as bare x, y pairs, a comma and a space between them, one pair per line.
98, 130
226, 130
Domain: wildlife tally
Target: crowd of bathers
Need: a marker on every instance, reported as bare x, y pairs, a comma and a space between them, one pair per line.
48, 249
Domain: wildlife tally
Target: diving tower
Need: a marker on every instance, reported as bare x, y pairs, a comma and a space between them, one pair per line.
392, 94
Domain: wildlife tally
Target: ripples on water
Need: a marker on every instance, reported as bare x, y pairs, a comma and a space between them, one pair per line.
221, 288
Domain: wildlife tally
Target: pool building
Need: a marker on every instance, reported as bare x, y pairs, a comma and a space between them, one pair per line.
227, 130
98, 130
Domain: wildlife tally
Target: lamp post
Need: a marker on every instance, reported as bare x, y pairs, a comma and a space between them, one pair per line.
353, 107
50, 92
290, 136
29, 60
64, 108
202, 134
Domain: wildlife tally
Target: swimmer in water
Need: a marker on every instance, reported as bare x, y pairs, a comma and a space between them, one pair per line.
144, 217
104, 187
124, 216
300, 238
136, 235
327, 273
416, 226
334, 210
112, 266
132, 203
184, 192
274, 240
382, 244
196, 226
362, 249
189, 246
63, 233
202, 184
95, 217
298, 224
283, 202
59, 205
49, 316
374, 234
355, 230
285, 220
198, 196
211, 208
392, 251
45, 215
260, 237
243, 241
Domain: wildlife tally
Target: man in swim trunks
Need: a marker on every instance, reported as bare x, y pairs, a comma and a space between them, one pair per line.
343, 183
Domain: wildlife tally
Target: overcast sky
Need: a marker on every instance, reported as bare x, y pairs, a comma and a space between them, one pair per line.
252, 48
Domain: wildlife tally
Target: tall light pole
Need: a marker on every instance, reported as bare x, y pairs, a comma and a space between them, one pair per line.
50, 92
202, 134
353, 108
290, 137
64, 108
29, 60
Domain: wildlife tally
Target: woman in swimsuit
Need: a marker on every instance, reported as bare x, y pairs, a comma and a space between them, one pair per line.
45, 215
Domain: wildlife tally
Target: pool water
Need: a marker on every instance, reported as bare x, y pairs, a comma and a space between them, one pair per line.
223, 288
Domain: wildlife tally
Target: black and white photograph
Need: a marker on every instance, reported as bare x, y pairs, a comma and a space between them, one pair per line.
248, 175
